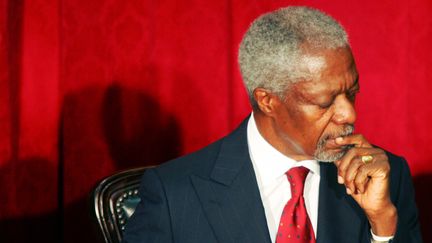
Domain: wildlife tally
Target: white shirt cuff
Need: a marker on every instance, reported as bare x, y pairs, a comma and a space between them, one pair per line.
376, 238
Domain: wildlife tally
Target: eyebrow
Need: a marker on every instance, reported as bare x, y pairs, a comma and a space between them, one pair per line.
354, 86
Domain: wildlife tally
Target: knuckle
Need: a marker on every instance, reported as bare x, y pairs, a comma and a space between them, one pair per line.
358, 160
362, 171
352, 152
349, 178
352, 175
343, 166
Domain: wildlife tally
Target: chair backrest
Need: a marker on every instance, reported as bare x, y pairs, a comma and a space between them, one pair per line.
114, 201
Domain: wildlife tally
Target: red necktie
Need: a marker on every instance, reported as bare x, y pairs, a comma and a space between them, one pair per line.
295, 225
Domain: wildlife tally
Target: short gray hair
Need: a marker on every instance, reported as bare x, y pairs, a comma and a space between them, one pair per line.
270, 51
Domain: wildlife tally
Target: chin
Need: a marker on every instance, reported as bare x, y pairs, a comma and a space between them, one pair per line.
329, 156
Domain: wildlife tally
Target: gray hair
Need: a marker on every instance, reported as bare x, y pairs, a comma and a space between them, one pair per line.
270, 52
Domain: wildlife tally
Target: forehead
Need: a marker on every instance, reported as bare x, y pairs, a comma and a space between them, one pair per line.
327, 71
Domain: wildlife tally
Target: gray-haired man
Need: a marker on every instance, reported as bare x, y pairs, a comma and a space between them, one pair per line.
302, 80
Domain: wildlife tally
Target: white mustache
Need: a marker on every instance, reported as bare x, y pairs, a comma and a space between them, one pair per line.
348, 130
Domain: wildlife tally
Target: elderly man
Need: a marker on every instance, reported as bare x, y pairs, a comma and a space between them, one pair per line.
293, 171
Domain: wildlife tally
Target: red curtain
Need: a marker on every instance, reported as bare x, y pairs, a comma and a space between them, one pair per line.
88, 88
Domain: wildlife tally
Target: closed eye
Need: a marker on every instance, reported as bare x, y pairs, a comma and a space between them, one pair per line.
326, 105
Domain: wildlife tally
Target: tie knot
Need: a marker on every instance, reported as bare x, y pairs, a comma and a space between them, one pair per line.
296, 177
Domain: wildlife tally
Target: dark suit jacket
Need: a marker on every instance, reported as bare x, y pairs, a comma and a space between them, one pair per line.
212, 196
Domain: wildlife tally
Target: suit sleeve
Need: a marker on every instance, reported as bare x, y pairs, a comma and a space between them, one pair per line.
150, 222
408, 228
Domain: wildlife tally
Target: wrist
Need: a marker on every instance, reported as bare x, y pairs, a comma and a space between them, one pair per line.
384, 223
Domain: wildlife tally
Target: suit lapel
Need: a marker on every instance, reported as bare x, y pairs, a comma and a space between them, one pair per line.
340, 219
230, 196
232, 203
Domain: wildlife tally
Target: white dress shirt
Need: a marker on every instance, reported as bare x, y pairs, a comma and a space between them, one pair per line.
270, 167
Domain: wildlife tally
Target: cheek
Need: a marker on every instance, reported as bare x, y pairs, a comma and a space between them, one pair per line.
317, 124
306, 123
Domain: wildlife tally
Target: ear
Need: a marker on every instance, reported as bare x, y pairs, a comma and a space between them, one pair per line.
266, 101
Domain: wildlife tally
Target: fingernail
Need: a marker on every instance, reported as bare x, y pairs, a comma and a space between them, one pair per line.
348, 191
339, 140
340, 179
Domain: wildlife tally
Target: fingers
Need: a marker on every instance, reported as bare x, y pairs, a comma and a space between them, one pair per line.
353, 155
361, 179
378, 167
353, 172
355, 139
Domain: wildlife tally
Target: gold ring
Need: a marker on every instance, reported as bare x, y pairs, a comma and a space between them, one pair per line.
367, 159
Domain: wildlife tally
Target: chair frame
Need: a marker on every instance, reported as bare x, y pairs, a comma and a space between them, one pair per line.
111, 190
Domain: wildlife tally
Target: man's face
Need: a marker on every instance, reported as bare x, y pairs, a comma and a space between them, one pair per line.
321, 108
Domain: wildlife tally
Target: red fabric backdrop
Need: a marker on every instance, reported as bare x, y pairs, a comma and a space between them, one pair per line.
88, 88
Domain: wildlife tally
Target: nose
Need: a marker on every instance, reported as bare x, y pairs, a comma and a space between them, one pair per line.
344, 112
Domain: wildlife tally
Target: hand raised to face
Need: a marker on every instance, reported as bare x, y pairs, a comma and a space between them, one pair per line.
365, 172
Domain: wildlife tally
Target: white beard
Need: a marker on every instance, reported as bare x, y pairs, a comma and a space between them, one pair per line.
323, 155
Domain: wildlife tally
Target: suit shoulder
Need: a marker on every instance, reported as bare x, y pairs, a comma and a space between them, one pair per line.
198, 162
176, 173
396, 162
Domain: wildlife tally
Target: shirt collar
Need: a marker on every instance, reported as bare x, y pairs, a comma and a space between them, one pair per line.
268, 161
